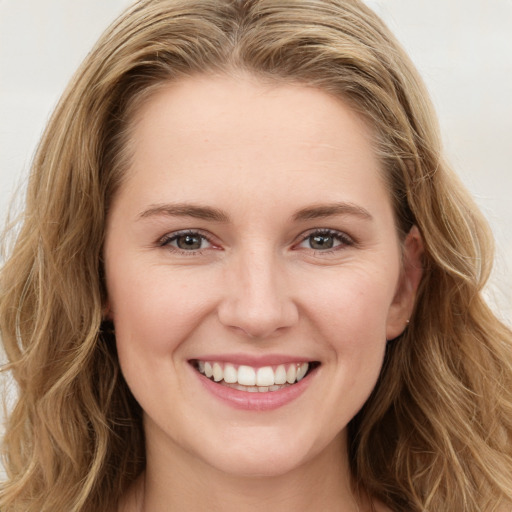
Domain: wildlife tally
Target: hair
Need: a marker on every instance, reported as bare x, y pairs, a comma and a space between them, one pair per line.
436, 432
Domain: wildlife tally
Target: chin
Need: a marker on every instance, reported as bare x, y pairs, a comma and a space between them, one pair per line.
262, 465
264, 454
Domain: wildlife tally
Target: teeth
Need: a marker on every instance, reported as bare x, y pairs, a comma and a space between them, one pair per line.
280, 375
291, 374
265, 376
230, 374
251, 379
218, 374
301, 371
246, 376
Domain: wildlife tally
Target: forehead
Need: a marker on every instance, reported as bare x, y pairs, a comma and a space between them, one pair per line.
207, 136
224, 109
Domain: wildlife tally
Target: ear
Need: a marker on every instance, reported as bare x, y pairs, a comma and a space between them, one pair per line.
410, 276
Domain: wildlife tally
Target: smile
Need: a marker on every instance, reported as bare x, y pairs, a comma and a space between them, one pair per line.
254, 386
251, 379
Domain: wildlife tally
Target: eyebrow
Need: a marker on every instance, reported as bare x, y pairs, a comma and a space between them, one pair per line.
321, 211
185, 210
318, 211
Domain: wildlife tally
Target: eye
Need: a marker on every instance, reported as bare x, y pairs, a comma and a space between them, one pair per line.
325, 240
185, 241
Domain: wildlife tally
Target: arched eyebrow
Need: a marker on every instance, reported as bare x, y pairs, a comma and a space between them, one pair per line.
185, 210
318, 211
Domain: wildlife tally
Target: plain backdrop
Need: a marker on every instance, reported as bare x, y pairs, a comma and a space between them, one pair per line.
463, 49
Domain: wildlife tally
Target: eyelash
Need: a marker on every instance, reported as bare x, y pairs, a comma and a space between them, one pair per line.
339, 236
343, 239
166, 241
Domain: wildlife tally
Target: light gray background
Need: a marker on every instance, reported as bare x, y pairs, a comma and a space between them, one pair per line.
463, 48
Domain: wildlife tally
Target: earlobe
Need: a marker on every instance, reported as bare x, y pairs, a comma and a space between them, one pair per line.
412, 271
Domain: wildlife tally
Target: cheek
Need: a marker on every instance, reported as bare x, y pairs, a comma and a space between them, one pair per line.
354, 305
153, 309
350, 318
154, 313
347, 313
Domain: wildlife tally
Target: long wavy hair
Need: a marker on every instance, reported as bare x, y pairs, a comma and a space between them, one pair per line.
436, 433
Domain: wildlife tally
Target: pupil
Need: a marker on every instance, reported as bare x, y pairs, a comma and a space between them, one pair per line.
321, 242
189, 242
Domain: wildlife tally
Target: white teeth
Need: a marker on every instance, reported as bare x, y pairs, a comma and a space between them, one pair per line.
291, 374
247, 378
230, 374
302, 370
265, 376
280, 375
218, 374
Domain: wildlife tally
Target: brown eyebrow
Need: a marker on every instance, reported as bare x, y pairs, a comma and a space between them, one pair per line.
321, 211
185, 210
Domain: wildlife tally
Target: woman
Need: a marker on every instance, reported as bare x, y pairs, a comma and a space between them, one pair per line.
247, 277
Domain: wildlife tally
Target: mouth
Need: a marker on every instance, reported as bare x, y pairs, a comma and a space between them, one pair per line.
252, 379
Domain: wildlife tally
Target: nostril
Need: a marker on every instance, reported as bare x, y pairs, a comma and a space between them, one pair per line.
258, 327
257, 311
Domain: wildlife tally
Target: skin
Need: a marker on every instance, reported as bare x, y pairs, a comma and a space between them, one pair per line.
258, 153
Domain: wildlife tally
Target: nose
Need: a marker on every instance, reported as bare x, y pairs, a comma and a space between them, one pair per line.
257, 299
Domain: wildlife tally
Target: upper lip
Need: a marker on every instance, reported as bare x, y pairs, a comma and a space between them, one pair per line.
255, 361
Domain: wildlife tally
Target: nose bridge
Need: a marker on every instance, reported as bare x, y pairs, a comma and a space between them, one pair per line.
257, 299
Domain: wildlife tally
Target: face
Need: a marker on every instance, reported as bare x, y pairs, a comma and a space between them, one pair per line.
254, 273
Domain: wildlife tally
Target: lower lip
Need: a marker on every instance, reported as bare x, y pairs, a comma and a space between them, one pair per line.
256, 401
